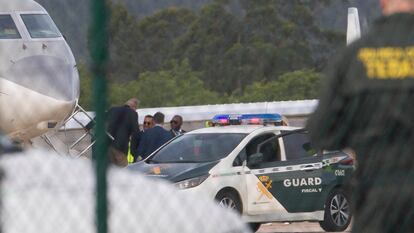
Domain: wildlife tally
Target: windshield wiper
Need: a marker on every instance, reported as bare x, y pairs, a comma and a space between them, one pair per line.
183, 161
153, 161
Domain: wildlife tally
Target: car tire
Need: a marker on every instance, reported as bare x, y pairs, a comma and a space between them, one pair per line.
228, 199
254, 226
337, 211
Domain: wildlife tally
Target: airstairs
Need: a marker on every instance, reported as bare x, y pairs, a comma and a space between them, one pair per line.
75, 143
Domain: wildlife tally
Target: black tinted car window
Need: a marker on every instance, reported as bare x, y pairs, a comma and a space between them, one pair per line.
297, 146
241, 157
196, 148
251, 147
270, 150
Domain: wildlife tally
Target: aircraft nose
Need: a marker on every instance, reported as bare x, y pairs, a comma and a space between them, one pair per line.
48, 75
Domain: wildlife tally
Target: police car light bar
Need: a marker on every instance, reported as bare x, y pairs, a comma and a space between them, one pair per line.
248, 119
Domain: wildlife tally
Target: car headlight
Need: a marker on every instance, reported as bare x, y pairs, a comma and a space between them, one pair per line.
190, 183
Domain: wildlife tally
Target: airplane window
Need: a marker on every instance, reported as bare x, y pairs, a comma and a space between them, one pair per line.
40, 26
8, 29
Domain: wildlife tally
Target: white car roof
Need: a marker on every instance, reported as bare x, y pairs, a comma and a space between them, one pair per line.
246, 129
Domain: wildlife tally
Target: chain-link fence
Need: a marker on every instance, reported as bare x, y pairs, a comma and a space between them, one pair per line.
62, 190
173, 169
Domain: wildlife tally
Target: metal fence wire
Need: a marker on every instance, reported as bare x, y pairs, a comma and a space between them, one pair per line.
50, 191
53, 185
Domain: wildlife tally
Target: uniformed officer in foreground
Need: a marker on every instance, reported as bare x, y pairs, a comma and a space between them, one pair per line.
368, 105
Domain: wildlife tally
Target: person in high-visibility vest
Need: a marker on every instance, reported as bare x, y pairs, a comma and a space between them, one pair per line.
130, 157
121, 125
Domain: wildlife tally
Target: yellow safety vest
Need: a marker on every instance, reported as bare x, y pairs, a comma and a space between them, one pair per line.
130, 157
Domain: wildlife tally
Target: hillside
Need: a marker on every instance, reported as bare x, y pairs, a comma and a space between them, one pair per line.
211, 51
72, 16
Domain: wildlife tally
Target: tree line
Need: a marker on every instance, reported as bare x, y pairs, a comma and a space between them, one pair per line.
258, 51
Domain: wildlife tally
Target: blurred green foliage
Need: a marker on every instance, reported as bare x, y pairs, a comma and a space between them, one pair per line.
179, 86
72, 16
264, 51
297, 85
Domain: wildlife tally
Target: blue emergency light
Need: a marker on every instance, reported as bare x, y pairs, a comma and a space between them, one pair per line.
248, 119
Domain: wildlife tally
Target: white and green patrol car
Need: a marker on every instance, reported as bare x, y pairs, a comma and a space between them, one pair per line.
266, 173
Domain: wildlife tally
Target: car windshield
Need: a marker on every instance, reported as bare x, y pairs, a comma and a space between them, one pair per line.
40, 26
198, 148
8, 29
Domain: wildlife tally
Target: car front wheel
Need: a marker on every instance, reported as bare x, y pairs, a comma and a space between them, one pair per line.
229, 200
337, 211
254, 226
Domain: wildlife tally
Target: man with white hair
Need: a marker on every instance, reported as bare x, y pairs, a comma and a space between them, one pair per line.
122, 123
367, 105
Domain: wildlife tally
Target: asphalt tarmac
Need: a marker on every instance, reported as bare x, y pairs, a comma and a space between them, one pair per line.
302, 227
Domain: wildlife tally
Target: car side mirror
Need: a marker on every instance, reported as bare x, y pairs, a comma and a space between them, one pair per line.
255, 159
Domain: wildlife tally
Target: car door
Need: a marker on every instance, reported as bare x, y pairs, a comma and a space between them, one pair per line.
298, 177
258, 177
290, 181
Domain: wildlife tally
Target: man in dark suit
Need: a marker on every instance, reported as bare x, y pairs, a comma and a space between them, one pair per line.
176, 123
153, 138
136, 137
122, 122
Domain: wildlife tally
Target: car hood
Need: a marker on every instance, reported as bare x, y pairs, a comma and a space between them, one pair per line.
173, 172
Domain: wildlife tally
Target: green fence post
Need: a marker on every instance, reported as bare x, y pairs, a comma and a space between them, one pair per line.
99, 51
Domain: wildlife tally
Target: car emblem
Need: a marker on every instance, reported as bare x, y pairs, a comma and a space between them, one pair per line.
264, 186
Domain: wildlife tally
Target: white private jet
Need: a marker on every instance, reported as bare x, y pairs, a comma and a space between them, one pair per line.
39, 81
